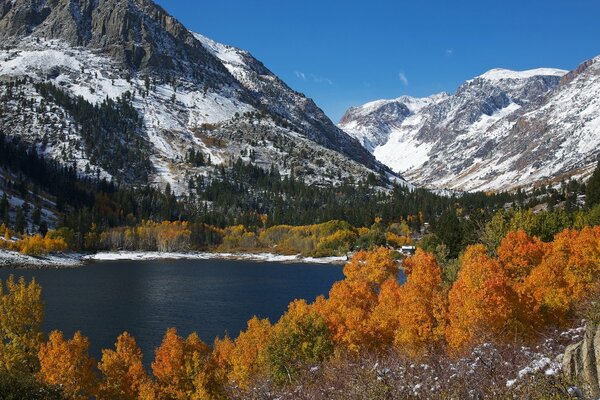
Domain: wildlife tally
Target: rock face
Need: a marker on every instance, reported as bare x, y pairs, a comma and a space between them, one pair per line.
500, 130
189, 92
581, 361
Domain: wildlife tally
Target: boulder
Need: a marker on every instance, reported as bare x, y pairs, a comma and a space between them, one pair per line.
581, 361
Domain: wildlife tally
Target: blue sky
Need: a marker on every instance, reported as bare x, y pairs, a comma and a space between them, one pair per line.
344, 53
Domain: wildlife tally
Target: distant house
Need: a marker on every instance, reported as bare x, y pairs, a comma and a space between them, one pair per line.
408, 250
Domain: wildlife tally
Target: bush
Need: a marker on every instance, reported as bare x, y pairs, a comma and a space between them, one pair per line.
300, 339
22, 387
37, 246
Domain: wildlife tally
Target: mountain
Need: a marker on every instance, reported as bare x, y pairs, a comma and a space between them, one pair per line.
122, 90
501, 130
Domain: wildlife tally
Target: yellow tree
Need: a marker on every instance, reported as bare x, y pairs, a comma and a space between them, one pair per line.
347, 312
422, 306
384, 319
519, 253
568, 273
300, 338
248, 357
66, 363
374, 267
222, 351
21, 316
481, 302
123, 373
184, 368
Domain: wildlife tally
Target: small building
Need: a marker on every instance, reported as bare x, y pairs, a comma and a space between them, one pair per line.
408, 250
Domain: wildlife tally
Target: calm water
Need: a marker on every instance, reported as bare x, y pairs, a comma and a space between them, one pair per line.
210, 297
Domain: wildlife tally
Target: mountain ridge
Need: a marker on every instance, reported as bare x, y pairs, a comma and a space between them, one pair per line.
498, 131
187, 97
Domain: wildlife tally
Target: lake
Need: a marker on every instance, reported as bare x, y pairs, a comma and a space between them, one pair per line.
210, 297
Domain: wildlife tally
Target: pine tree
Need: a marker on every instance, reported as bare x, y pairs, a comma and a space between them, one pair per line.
36, 217
20, 221
592, 194
4, 209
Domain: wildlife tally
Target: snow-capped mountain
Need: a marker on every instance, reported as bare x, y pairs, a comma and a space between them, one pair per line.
175, 90
500, 130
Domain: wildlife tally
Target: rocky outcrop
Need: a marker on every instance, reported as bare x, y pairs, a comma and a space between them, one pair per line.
581, 361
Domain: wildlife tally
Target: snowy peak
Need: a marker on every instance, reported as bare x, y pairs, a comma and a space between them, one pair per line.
498, 74
500, 130
372, 122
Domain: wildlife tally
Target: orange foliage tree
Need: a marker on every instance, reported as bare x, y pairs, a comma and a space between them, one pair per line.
373, 267
248, 357
21, 316
66, 363
567, 274
422, 306
184, 368
519, 253
347, 310
481, 301
222, 351
123, 373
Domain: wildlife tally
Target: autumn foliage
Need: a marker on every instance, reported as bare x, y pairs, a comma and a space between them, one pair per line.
35, 245
523, 287
123, 373
481, 302
66, 363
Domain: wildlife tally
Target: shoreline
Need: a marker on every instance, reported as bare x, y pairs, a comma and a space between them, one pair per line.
264, 257
15, 260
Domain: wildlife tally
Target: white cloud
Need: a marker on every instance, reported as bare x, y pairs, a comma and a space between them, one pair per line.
320, 79
312, 77
403, 78
449, 52
300, 75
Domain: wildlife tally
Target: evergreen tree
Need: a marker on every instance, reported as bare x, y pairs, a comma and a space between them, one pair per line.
43, 229
20, 221
36, 216
592, 194
450, 231
4, 209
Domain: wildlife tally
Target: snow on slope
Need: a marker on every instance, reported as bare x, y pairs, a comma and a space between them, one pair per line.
95, 77
501, 130
373, 123
501, 73
176, 116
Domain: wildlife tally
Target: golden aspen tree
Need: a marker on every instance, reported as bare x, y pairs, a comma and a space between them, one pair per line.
123, 373
385, 317
222, 351
481, 302
298, 339
347, 312
248, 357
519, 253
21, 316
66, 363
568, 273
184, 368
374, 267
422, 307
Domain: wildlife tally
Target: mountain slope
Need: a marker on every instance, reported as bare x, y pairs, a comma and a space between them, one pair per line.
191, 96
500, 130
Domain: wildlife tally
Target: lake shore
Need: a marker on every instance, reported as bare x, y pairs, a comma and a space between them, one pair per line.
11, 259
